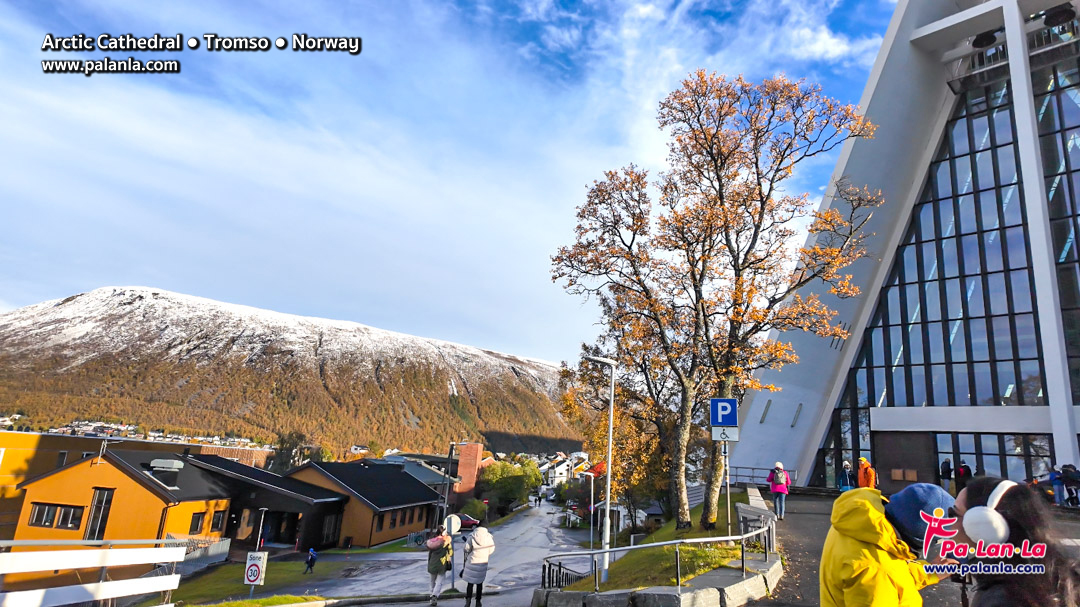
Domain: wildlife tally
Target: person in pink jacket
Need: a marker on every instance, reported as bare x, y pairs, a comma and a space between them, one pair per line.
779, 481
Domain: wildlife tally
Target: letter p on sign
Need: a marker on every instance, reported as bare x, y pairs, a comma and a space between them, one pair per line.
723, 412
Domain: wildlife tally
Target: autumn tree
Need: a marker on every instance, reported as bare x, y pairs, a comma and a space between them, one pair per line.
695, 270
641, 428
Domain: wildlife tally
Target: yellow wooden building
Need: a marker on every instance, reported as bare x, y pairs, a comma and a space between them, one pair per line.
386, 502
120, 495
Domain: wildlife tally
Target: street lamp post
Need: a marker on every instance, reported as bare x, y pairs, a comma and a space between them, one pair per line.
607, 499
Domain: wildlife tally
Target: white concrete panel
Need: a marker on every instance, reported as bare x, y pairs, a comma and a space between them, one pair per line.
998, 420
48, 560
1040, 240
65, 595
944, 33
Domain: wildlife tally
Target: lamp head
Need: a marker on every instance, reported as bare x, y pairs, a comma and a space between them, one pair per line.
601, 360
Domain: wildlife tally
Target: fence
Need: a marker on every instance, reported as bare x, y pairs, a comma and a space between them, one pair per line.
556, 575
101, 555
200, 553
757, 476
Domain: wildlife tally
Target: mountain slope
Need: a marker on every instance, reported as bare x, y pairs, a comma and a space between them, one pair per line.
175, 361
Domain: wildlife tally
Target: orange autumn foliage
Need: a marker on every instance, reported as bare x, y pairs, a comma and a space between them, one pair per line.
695, 271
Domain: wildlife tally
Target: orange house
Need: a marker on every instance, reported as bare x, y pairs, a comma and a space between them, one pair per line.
27, 455
386, 503
120, 495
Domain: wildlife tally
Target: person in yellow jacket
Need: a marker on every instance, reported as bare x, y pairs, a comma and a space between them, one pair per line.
866, 561
867, 474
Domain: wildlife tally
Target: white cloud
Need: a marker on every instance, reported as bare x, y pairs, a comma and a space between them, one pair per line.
819, 43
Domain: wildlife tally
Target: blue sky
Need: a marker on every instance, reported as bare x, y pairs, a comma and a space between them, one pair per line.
421, 186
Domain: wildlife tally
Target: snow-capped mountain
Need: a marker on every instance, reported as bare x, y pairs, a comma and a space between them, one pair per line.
341, 382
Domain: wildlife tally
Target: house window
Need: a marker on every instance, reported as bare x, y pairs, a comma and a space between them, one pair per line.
86, 454
42, 515
99, 514
379, 522
410, 516
70, 517
61, 459
53, 515
218, 522
196, 523
393, 519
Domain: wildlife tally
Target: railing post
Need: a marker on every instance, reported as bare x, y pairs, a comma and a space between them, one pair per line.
678, 569
742, 550
595, 575
543, 575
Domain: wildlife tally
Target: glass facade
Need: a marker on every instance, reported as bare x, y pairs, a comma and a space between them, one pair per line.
1013, 456
955, 324
1057, 104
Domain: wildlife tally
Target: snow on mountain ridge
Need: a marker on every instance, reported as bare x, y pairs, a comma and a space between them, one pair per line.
135, 319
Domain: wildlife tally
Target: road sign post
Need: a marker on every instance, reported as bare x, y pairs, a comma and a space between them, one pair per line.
255, 570
724, 419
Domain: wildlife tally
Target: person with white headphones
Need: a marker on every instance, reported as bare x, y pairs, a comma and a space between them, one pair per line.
997, 511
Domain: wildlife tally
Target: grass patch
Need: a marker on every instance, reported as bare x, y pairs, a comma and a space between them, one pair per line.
656, 566
401, 545
225, 583
281, 599
508, 517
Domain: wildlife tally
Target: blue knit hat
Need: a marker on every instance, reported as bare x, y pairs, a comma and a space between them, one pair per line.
904, 507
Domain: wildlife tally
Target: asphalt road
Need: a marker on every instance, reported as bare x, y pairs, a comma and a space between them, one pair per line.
514, 570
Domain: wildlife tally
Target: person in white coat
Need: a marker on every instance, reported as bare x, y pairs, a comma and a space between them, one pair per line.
478, 549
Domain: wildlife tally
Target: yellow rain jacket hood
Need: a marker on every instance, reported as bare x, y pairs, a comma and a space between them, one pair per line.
864, 562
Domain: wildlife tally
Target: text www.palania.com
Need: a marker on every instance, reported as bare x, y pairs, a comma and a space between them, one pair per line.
108, 65
980, 568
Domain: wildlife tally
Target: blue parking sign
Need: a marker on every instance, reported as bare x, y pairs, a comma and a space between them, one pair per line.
723, 412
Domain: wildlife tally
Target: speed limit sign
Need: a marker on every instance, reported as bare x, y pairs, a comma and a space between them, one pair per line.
255, 571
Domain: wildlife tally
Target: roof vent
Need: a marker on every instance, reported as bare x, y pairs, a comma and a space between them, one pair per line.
166, 464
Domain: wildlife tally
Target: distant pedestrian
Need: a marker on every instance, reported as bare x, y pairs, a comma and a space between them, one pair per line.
1057, 481
846, 480
867, 474
946, 473
478, 550
963, 475
310, 561
779, 481
440, 554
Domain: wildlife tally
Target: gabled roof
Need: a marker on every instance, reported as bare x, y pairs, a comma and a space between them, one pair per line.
264, 478
380, 486
189, 484
192, 482
425, 473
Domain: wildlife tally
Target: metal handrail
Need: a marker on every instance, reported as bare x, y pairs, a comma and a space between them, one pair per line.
768, 530
738, 473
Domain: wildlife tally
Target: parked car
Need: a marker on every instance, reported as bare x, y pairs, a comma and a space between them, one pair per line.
468, 522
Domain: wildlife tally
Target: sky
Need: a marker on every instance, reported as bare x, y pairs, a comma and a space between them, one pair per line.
421, 186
